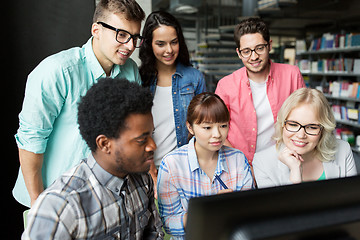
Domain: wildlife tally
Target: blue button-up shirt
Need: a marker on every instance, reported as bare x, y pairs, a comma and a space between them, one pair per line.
48, 120
181, 178
186, 83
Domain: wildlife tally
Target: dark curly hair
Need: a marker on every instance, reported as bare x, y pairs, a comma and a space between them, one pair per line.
250, 26
148, 68
107, 104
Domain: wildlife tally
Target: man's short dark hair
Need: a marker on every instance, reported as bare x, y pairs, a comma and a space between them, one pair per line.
107, 104
250, 26
131, 9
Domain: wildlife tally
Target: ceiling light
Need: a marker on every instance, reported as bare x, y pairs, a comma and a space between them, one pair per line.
187, 9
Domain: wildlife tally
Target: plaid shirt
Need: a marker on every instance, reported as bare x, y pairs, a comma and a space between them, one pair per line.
181, 178
89, 203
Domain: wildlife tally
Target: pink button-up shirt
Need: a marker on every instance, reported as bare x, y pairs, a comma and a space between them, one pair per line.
235, 91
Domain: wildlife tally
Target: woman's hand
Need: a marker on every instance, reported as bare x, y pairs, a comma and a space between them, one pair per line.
154, 172
293, 161
225, 191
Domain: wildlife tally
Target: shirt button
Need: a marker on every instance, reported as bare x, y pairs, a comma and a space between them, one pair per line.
176, 110
174, 92
179, 142
178, 127
253, 129
187, 89
252, 146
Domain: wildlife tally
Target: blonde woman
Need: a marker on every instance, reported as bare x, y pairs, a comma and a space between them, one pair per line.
306, 148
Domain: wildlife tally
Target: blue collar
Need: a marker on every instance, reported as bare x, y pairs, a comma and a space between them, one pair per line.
180, 69
95, 66
194, 163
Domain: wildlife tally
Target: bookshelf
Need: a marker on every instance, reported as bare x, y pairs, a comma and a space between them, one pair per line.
331, 64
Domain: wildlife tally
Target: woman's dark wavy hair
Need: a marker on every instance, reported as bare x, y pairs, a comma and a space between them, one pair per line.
148, 68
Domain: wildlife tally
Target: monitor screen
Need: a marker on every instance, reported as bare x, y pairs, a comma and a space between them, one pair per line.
328, 209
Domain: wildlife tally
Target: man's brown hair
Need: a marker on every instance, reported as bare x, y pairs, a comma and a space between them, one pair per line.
131, 9
250, 26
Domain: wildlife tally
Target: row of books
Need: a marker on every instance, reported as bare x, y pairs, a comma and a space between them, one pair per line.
344, 89
343, 65
346, 135
345, 113
329, 41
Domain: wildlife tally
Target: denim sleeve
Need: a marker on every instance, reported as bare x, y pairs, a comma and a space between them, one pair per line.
44, 97
201, 84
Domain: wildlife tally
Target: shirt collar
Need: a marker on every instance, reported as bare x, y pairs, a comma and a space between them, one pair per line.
194, 163
94, 64
180, 69
106, 179
221, 165
271, 72
269, 77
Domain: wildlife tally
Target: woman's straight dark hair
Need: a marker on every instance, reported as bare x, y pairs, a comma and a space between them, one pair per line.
207, 107
148, 68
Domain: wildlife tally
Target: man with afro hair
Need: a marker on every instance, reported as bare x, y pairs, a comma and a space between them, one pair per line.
110, 194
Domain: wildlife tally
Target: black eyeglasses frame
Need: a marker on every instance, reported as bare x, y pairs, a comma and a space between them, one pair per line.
117, 30
253, 50
304, 127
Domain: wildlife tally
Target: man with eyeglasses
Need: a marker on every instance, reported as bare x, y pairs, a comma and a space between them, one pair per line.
48, 138
255, 93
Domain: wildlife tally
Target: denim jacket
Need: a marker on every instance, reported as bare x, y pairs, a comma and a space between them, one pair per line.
186, 83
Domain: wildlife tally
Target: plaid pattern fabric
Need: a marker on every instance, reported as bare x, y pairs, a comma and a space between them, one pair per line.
181, 178
89, 203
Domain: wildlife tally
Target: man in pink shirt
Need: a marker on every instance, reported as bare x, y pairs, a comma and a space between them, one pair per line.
255, 92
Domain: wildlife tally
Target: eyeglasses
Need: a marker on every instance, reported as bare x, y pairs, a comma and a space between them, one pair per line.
259, 49
311, 129
123, 36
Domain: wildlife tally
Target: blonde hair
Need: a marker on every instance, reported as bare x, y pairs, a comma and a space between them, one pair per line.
326, 148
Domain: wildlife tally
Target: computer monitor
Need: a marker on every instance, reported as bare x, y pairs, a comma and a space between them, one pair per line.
328, 209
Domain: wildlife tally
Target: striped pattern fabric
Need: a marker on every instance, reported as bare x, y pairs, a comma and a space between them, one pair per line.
181, 178
89, 203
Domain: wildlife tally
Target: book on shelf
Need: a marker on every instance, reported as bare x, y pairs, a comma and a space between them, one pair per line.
344, 89
328, 65
300, 46
356, 65
303, 65
337, 40
347, 112
343, 113
346, 135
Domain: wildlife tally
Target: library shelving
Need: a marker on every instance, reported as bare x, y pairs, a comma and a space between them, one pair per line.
331, 64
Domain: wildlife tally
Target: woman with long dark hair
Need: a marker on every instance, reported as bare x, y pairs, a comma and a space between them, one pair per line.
167, 70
